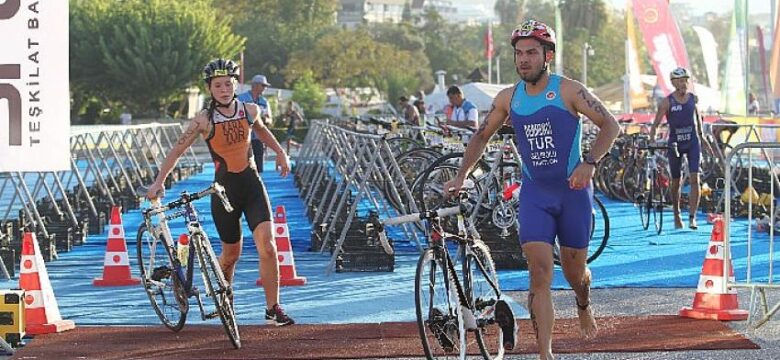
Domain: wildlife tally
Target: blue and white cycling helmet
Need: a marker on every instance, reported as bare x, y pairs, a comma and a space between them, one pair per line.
679, 73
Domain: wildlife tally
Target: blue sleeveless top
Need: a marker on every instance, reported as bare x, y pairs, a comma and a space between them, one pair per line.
548, 136
681, 119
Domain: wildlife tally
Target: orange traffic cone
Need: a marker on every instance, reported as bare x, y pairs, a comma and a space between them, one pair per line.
713, 300
40, 306
287, 274
116, 265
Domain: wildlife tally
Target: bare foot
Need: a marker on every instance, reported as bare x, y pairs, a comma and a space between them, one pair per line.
588, 327
678, 223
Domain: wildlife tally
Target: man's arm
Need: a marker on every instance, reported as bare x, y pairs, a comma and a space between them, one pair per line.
584, 102
663, 109
697, 114
493, 121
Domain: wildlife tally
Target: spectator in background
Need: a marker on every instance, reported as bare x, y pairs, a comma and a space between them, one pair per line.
294, 117
255, 96
409, 113
462, 113
753, 106
420, 105
125, 118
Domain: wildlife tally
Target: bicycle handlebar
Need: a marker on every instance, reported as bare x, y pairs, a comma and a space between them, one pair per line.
672, 146
186, 198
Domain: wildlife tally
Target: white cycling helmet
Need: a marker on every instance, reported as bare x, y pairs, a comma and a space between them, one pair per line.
679, 73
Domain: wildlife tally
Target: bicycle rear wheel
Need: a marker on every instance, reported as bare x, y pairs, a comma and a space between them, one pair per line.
163, 286
438, 320
217, 287
479, 279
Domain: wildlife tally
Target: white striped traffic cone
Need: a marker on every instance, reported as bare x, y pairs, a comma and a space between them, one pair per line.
42, 314
711, 301
116, 265
287, 273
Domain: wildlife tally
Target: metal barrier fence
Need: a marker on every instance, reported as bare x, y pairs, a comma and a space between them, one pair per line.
108, 163
336, 171
758, 285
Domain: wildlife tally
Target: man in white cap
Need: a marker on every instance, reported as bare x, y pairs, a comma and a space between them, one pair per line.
255, 96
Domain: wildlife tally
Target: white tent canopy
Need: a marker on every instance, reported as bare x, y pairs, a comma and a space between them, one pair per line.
481, 94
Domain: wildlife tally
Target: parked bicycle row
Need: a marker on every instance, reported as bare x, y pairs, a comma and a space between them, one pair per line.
422, 160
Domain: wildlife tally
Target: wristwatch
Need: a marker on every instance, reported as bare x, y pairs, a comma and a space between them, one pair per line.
590, 160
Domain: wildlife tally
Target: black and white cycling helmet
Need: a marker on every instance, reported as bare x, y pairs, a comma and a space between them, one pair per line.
220, 67
679, 73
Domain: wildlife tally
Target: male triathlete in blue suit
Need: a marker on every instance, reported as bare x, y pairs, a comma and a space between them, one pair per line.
685, 129
555, 198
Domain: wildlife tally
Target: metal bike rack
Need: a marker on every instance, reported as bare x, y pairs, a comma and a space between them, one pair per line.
757, 288
352, 165
106, 162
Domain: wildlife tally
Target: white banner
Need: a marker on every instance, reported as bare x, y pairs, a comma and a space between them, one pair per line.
709, 49
34, 89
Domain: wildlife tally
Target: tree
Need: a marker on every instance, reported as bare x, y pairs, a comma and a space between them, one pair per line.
309, 94
145, 52
510, 12
584, 14
456, 49
356, 59
277, 28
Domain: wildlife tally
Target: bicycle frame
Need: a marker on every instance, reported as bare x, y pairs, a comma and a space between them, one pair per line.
507, 149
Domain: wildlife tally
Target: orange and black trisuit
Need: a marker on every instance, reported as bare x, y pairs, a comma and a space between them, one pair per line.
229, 144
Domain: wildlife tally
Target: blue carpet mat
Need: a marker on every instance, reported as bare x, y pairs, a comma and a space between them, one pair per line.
639, 258
633, 258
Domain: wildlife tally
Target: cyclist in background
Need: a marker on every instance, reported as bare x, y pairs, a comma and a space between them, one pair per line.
557, 192
685, 129
225, 125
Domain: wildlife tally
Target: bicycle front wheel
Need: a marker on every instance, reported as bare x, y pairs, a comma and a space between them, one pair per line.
217, 287
437, 317
480, 284
163, 286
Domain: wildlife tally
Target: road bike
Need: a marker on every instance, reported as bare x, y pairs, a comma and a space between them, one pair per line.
168, 278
